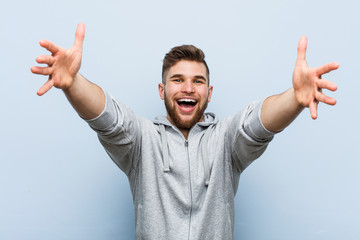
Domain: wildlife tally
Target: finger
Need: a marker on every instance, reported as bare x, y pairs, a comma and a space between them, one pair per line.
326, 84
327, 68
46, 59
320, 97
79, 35
42, 70
301, 49
46, 87
51, 47
313, 109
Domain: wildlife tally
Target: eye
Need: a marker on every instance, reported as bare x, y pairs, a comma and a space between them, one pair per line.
199, 81
177, 80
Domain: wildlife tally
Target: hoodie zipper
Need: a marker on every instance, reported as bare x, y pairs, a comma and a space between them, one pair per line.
190, 185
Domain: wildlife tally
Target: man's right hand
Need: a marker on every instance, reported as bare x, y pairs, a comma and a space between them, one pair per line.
87, 98
63, 64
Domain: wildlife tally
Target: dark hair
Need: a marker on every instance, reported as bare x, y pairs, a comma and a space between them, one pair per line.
184, 52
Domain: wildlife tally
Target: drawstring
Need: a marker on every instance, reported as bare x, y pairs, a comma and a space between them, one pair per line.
165, 148
205, 156
203, 149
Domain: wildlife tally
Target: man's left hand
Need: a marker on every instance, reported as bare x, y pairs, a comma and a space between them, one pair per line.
307, 82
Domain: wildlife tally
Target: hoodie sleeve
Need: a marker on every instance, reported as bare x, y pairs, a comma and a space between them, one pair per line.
118, 130
247, 136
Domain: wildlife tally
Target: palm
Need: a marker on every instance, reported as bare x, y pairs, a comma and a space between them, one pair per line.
67, 64
63, 64
308, 84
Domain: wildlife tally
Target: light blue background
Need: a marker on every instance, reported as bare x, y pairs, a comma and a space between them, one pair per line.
56, 181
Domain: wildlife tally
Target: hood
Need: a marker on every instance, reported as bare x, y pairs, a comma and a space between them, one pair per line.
209, 119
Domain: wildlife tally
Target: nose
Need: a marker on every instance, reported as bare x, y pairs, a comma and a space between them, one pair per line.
188, 87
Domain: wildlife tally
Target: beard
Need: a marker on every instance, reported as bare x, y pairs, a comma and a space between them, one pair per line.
175, 116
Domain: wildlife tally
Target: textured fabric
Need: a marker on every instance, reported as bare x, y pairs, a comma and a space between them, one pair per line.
186, 191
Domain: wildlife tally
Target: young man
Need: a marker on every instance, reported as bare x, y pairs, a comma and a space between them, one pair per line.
183, 168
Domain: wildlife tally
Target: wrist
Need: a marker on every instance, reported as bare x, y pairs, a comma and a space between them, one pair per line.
72, 84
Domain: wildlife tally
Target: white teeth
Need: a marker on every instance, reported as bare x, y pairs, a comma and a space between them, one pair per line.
186, 100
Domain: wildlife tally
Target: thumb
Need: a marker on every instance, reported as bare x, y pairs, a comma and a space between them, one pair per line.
301, 49
313, 109
79, 35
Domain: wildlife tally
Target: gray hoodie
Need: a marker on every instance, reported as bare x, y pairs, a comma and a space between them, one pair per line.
182, 189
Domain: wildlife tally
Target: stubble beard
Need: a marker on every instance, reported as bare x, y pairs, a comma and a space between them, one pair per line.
175, 117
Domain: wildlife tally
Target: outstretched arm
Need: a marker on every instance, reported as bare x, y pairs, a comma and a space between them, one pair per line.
280, 110
62, 68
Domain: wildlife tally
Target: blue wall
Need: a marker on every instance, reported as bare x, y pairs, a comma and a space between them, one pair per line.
56, 181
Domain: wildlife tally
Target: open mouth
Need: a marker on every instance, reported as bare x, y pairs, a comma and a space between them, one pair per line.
186, 104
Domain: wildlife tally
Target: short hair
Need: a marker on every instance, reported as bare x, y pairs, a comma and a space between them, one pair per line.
183, 52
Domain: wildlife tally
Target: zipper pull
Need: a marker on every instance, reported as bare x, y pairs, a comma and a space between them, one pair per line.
186, 143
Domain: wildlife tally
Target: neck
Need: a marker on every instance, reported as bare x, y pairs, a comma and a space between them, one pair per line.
185, 132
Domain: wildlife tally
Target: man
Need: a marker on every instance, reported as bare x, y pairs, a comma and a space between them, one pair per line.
184, 168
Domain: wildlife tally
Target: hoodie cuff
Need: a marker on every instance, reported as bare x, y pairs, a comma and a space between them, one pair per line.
107, 117
256, 128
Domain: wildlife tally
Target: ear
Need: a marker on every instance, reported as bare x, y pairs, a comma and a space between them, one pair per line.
161, 90
210, 93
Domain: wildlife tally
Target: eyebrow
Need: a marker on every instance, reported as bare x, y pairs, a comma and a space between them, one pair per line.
181, 75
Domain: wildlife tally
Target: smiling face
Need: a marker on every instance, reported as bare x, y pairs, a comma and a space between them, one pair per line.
186, 94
